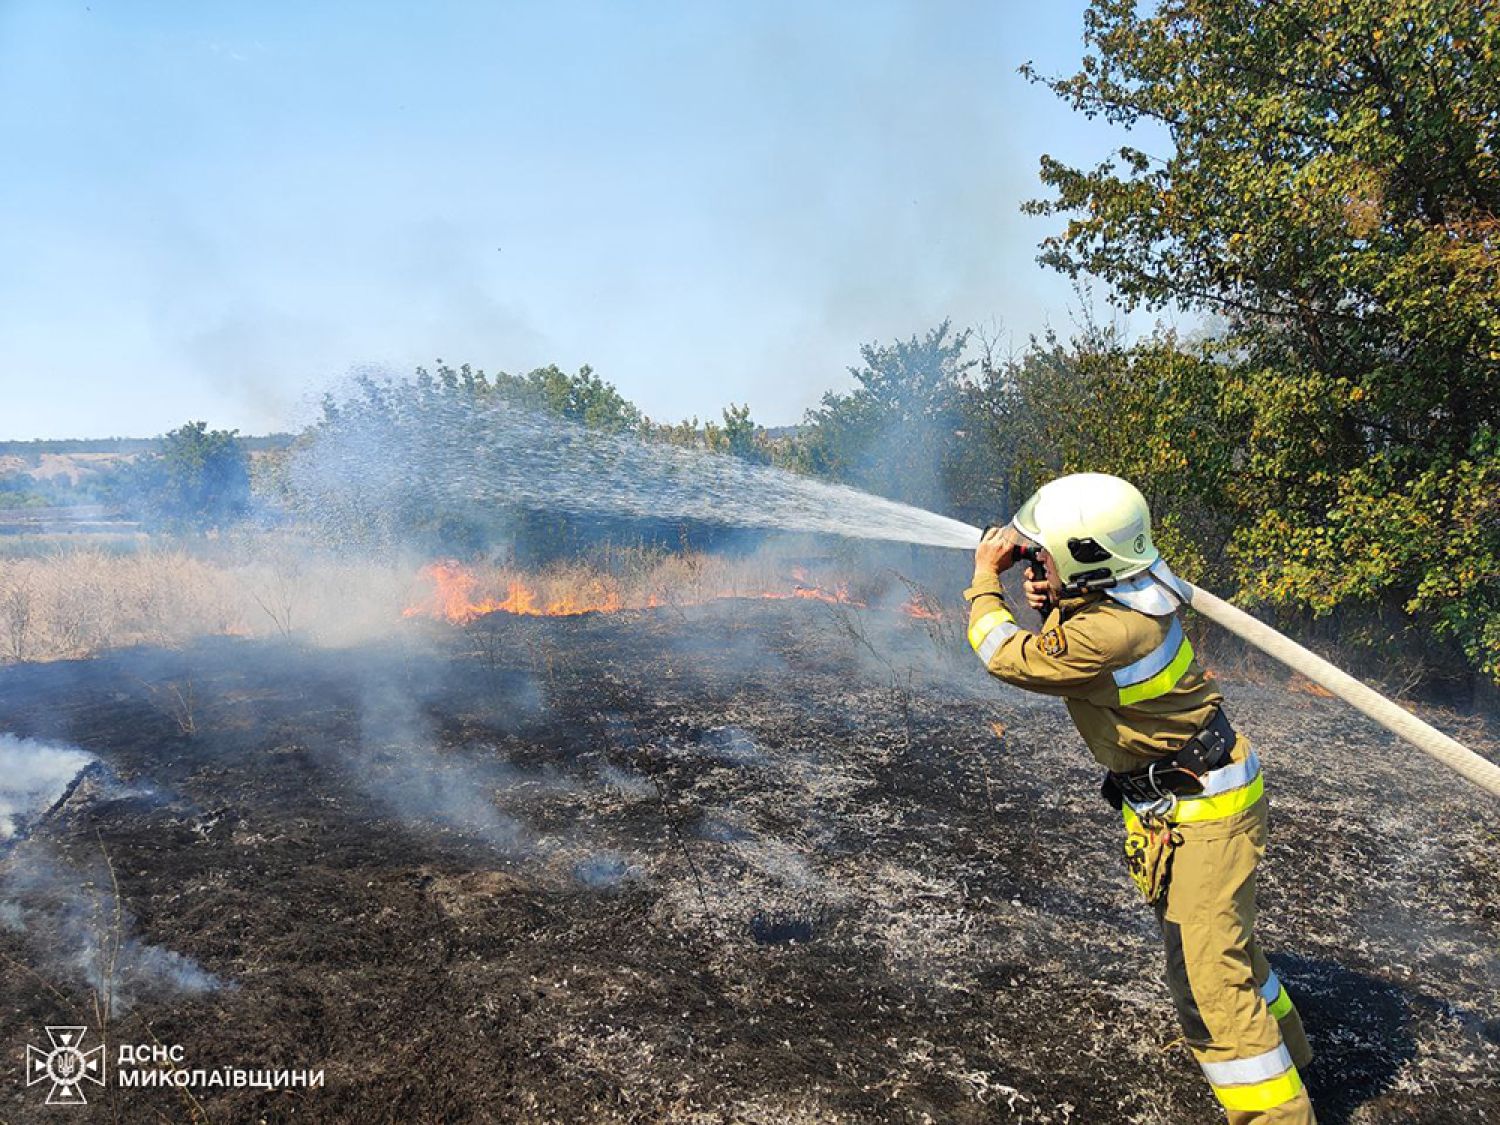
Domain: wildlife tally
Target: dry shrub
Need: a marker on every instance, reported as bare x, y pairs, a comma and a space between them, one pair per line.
74, 603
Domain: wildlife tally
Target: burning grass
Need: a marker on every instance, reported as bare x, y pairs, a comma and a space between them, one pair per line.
72, 603
460, 593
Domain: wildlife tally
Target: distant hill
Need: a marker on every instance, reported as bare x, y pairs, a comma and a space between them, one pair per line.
125, 445
43, 476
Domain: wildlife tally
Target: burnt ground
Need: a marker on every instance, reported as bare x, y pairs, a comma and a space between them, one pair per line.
759, 861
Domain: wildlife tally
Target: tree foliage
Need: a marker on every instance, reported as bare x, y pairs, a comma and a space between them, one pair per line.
1331, 190
584, 397
1151, 412
739, 436
894, 433
198, 479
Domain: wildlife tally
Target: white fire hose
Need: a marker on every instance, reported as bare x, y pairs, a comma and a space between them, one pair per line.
1397, 720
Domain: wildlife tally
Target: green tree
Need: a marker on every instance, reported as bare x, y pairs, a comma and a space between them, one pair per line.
1330, 188
582, 397
198, 479
1152, 412
739, 436
896, 432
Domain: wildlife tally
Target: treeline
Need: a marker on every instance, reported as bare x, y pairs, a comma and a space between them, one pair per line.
124, 446
192, 479
138, 477
1330, 191
38, 446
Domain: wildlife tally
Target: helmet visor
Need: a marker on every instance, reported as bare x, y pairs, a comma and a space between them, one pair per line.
1024, 520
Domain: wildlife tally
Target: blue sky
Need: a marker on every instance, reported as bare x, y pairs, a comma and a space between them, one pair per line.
219, 211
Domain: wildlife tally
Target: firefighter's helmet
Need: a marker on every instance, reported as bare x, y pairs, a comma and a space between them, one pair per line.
1090, 523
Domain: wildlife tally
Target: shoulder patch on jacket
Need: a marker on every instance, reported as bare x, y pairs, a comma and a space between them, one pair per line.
1053, 642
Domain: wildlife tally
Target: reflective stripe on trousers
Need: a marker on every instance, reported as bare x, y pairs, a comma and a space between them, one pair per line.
1228, 790
1275, 996
1261, 1082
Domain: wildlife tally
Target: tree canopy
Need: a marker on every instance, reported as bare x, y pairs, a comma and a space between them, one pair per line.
1331, 191
894, 432
198, 479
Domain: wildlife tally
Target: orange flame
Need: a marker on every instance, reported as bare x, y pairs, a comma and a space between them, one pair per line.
922, 609
839, 595
456, 596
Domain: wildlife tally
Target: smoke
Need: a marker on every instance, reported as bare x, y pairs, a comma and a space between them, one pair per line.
627, 785
74, 916
407, 455
605, 870
731, 746
76, 919
33, 775
399, 764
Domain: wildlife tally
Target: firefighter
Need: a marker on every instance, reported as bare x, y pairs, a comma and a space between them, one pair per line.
1188, 785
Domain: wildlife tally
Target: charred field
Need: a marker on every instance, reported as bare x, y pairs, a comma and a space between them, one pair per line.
750, 861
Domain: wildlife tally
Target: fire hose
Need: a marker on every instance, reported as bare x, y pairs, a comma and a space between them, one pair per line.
1399, 721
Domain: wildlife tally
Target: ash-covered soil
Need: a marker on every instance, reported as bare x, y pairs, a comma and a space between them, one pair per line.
758, 861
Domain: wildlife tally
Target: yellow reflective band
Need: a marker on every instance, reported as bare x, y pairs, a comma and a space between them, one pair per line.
1161, 683
1260, 1096
1246, 1072
981, 628
1282, 1004
1191, 810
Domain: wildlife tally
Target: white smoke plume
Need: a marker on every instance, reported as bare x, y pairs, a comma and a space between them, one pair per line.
85, 930
32, 776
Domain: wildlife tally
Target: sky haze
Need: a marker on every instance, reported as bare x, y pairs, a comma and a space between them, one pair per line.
220, 211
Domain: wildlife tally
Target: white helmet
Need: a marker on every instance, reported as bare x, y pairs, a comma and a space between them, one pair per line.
1094, 526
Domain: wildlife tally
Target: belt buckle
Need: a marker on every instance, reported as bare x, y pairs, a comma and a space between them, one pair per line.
1159, 803
1160, 809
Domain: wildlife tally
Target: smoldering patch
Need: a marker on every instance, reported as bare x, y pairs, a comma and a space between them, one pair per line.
606, 870
34, 777
731, 746
623, 783
722, 830
75, 921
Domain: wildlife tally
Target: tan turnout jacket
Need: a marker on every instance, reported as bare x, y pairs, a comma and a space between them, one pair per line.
1131, 682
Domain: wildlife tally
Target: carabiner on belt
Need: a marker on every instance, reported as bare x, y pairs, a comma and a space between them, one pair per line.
1166, 801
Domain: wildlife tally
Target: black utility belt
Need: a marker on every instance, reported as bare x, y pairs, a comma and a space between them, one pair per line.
1178, 774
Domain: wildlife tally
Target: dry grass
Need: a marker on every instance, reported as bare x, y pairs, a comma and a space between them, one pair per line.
76, 601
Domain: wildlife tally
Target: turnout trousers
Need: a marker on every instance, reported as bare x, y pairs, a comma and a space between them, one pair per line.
1236, 1017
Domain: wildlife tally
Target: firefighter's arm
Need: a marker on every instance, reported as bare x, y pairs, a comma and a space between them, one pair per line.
1058, 661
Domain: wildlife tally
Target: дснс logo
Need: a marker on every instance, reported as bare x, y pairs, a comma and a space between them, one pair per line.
67, 1066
